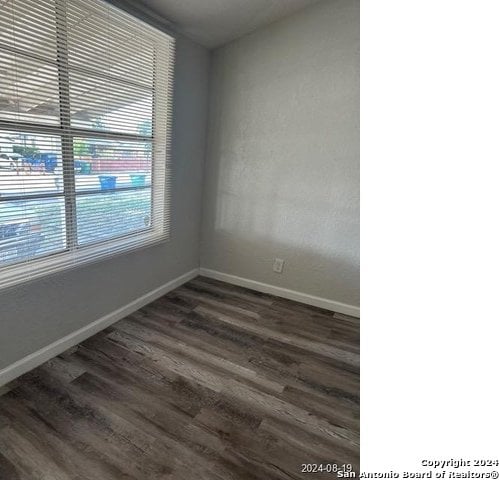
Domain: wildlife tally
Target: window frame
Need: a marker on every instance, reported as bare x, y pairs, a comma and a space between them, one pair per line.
75, 254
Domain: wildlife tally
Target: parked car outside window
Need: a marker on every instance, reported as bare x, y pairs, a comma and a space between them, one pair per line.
21, 238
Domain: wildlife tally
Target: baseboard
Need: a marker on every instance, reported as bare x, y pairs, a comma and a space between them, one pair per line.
283, 292
37, 358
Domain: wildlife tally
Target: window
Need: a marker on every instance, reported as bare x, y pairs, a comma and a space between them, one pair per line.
85, 102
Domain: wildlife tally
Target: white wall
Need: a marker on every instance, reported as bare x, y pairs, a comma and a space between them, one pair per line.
35, 314
282, 168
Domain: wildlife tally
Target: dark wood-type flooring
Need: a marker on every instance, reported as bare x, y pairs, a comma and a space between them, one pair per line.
211, 381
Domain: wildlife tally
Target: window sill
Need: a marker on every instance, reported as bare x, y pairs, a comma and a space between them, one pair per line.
35, 269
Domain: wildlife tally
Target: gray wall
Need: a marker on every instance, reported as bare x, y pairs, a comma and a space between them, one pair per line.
282, 168
40, 312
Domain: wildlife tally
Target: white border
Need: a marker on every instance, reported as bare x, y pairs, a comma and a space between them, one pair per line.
50, 351
283, 292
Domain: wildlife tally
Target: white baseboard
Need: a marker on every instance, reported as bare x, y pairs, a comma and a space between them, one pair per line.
50, 351
283, 292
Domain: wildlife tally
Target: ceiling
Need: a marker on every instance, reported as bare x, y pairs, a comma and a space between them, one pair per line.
215, 22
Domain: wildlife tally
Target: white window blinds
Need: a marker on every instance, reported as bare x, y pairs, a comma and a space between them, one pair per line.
85, 119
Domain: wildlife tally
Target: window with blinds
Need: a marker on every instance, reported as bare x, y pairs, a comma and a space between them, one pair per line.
85, 118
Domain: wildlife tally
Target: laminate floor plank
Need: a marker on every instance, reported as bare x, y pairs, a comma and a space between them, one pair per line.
210, 381
274, 318
272, 361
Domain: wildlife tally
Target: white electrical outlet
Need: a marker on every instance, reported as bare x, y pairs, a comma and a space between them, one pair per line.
278, 265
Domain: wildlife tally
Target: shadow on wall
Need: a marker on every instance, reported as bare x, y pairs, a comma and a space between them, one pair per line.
266, 200
270, 204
